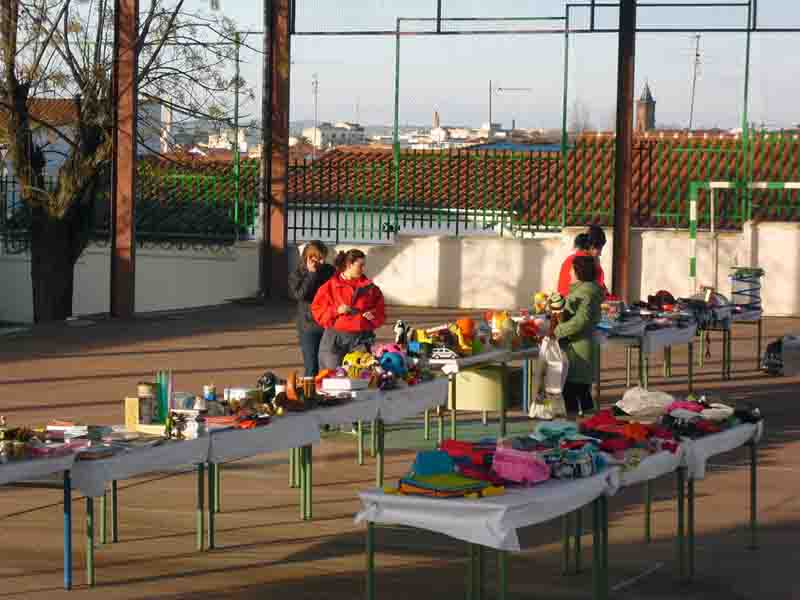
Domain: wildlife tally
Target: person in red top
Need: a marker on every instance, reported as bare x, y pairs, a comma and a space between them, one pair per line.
350, 307
590, 243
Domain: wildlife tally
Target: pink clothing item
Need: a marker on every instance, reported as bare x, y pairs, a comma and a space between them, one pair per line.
685, 405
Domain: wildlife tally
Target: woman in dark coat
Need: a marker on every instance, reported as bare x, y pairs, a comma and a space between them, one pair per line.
307, 278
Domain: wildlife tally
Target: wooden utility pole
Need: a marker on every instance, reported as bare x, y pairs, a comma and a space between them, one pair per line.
624, 149
123, 211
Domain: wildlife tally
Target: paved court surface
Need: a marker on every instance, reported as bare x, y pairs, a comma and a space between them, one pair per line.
84, 369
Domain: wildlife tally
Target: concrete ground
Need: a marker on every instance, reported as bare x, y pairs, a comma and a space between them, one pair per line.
82, 370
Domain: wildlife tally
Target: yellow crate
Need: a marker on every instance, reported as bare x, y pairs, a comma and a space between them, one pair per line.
479, 389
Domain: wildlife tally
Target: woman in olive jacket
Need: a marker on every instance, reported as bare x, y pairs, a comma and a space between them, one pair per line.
304, 282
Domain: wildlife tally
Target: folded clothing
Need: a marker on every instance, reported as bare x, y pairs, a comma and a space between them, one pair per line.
520, 467
443, 485
477, 453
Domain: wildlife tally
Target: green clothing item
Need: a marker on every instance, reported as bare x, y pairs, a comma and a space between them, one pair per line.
581, 315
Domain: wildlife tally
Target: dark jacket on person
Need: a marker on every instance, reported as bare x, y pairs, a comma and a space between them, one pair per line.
303, 286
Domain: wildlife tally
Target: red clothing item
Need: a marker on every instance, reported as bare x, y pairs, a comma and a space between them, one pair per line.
360, 294
565, 276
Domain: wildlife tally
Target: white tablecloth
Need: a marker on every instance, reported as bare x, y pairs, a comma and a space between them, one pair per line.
653, 467
29, 470
399, 404
491, 522
92, 477
283, 433
699, 451
455, 365
658, 339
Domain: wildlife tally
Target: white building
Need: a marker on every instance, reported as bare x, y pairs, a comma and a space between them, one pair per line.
327, 135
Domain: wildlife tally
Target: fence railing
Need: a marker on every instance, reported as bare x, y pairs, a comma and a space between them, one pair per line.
370, 195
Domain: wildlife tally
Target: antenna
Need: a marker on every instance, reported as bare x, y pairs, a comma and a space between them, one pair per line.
317, 132
695, 67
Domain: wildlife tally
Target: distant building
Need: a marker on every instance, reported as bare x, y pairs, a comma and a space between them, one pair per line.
646, 111
343, 133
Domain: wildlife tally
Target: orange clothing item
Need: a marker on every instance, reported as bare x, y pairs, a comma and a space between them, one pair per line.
565, 276
362, 295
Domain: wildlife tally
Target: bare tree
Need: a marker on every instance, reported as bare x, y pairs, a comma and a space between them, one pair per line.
64, 48
580, 118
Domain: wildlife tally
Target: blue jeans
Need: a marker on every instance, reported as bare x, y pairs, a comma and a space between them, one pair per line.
309, 344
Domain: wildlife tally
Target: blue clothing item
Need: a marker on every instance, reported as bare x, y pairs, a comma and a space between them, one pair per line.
554, 431
432, 462
309, 344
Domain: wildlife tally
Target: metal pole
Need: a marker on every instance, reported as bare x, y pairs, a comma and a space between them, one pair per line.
691, 367
747, 143
690, 525
211, 502
648, 511
114, 513
199, 513
67, 531
379, 453
565, 543
624, 148
578, 536
236, 147
502, 574
753, 495
104, 518
694, 79
309, 483
90, 541
681, 522
217, 486
360, 433
489, 132
565, 186
453, 409
370, 561
396, 133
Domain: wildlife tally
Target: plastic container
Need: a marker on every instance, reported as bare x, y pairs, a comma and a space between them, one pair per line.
479, 389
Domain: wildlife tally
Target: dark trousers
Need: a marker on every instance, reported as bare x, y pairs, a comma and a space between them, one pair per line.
578, 394
336, 344
309, 344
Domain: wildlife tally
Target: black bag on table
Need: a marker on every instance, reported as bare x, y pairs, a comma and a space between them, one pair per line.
772, 361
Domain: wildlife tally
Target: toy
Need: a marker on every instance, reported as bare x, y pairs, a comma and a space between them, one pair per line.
356, 362
463, 346
380, 349
394, 362
401, 331
467, 327
443, 353
540, 302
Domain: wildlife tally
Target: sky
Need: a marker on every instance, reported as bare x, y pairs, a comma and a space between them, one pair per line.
451, 74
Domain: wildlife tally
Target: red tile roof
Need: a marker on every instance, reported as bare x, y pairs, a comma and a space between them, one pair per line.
56, 112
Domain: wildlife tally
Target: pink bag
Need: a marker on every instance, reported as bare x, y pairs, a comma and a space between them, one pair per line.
520, 467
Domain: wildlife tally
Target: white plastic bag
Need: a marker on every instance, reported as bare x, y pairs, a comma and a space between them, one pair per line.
644, 404
549, 375
555, 375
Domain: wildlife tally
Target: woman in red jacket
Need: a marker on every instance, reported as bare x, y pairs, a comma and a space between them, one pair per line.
350, 307
590, 243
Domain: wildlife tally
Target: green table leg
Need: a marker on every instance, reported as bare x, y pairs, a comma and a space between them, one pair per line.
370, 561
217, 486
292, 469
502, 574
470, 580
440, 425
453, 409
565, 543
360, 434
648, 511
90, 541
379, 440
628, 365
691, 367
578, 536
668, 361
604, 568
645, 362
298, 467
67, 506
373, 437
479, 555
701, 360
690, 526
505, 399
201, 507
758, 356
114, 513
104, 518
681, 476
309, 479
754, 495
597, 549
211, 502
427, 425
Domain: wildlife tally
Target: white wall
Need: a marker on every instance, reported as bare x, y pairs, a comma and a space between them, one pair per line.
504, 273
165, 279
